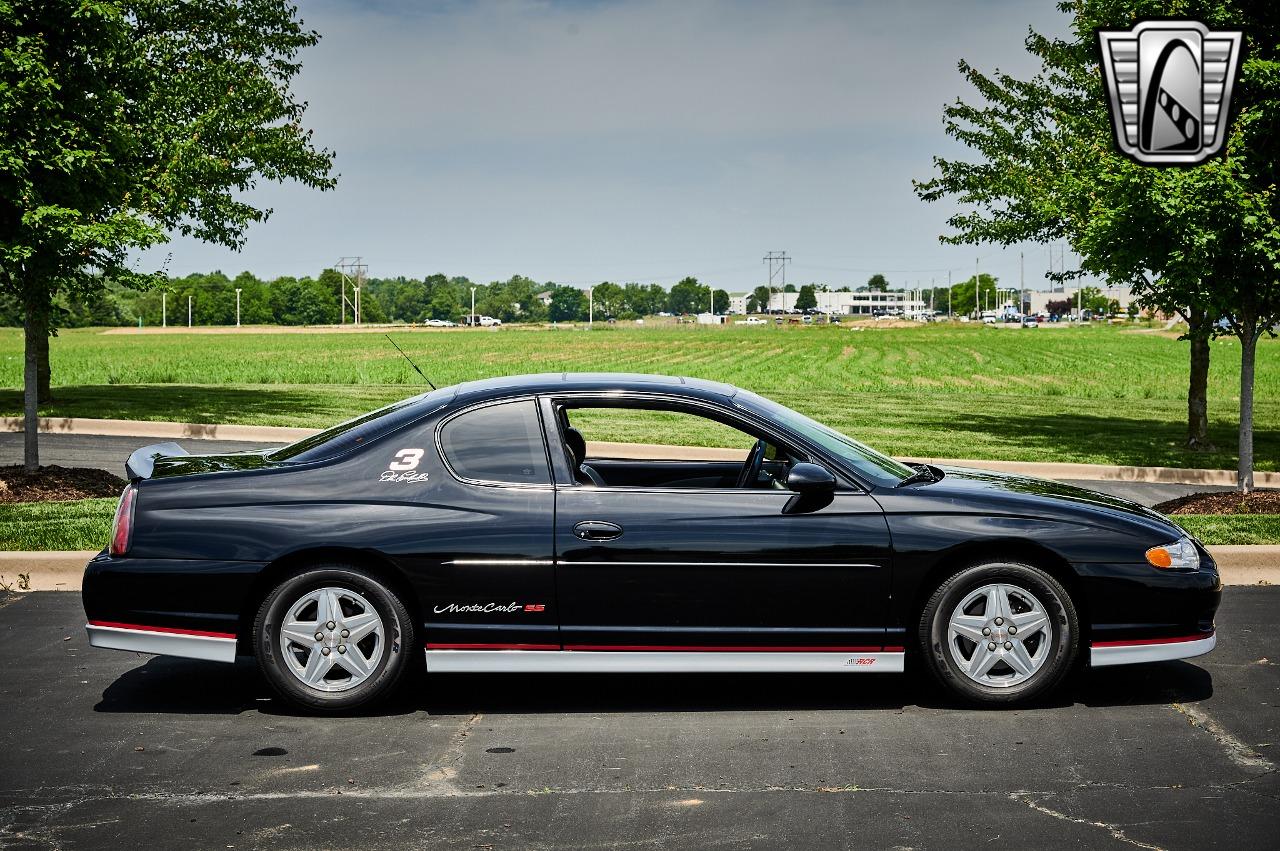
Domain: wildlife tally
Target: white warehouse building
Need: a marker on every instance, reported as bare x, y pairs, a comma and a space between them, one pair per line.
843, 303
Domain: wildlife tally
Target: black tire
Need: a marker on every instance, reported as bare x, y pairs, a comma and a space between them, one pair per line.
392, 654
1063, 634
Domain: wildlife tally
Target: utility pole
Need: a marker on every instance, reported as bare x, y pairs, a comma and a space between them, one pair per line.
777, 261
164, 309
188, 311
237, 307
591, 306
472, 319
352, 270
977, 288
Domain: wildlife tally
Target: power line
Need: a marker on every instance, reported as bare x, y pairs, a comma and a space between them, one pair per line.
777, 261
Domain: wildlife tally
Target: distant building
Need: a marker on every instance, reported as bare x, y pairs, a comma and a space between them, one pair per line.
845, 304
544, 297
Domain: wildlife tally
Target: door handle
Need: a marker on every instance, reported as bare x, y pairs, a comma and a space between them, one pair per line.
596, 530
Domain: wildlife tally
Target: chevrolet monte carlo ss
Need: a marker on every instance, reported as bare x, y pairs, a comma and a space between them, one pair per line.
478, 524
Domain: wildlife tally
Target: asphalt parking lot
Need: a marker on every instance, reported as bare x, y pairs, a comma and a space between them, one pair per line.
102, 749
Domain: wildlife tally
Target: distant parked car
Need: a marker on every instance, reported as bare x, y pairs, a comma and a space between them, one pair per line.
988, 320
751, 320
1029, 322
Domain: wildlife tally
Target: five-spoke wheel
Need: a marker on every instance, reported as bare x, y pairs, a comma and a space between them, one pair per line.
332, 637
999, 633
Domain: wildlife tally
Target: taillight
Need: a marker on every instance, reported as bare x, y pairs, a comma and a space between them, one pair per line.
122, 528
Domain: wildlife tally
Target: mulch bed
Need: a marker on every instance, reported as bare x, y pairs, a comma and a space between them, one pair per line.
54, 484
1225, 502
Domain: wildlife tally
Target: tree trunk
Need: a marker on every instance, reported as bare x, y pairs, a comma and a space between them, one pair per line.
1248, 349
43, 394
1198, 387
34, 330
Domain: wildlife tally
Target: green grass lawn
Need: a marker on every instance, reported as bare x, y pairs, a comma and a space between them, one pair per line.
1096, 394
1232, 528
86, 525
83, 524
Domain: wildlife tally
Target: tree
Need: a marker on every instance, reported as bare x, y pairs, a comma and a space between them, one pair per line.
610, 299
689, 296
720, 300
1202, 240
568, 304
121, 122
763, 296
878, 283
806, 300
968, 299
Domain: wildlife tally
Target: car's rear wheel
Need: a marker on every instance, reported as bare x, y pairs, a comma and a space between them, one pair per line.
331, 638
999, 633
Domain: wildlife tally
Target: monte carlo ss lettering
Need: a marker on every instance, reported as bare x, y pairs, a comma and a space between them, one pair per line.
526, 547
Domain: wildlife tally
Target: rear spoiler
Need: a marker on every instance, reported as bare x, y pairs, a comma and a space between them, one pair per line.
142, 461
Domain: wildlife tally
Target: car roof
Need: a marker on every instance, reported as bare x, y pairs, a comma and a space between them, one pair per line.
560, 382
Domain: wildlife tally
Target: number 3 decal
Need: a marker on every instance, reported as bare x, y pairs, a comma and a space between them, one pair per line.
406, 459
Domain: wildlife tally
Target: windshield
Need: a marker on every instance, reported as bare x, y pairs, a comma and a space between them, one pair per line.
879, 468
344, 437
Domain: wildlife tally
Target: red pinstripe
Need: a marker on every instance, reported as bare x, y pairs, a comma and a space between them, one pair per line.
172, 630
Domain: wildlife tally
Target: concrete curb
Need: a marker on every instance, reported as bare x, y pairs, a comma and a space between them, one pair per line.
62, 571
282, 434
170, 431
45, 571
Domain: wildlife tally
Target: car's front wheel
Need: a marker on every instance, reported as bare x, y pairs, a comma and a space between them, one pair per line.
1000, 633
331, 637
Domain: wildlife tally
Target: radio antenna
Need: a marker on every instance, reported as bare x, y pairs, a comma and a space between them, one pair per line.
411, 363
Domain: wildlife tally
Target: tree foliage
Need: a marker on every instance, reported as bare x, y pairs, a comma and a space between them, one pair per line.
122, 122
807, 299
1202, 240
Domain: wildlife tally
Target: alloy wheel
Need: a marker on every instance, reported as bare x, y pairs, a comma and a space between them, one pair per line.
999, 635
332, 639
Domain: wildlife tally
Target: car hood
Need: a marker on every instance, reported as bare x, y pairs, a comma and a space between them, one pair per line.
1028, 495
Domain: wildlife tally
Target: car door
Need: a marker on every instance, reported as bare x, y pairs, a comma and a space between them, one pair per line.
481, 556
654, 568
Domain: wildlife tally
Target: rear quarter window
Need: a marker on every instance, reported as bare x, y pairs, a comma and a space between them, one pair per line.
497, 443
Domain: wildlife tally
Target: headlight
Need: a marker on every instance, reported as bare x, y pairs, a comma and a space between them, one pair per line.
1180, 555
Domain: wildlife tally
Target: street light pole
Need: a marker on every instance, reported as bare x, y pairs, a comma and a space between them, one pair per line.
188, 311
472, 320
237, 307
591, 306
164, 310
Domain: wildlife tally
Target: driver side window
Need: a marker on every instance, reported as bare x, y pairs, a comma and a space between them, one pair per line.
656, 447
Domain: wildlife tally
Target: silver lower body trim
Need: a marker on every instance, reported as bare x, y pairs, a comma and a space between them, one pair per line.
1132, 654
163, 643
606, 661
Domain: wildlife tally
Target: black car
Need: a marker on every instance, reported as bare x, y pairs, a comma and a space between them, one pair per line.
479, 524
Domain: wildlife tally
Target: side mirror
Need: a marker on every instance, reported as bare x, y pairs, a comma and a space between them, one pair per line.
808, 478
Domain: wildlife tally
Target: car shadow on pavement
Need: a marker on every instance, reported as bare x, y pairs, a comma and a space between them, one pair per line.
181, 686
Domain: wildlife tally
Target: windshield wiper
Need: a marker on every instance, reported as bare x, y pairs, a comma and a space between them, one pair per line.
922, 474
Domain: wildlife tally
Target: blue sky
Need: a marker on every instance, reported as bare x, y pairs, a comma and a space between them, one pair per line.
633, 141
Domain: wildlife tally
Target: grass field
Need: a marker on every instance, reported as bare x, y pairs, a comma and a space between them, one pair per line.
86, 525
83, 524
1094, 394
